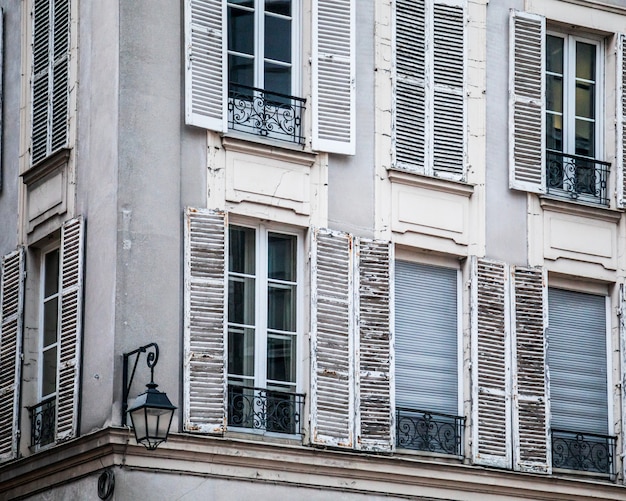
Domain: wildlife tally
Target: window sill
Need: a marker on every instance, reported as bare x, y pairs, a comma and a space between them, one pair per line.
270, 148
583, 209
45, 166
400, 176
248, 435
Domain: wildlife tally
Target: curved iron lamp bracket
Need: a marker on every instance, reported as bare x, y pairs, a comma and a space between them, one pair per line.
152, 357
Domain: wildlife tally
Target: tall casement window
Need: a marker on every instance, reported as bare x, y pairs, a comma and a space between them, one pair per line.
573, 118
577, 361
427, 358
50, 79
263, 326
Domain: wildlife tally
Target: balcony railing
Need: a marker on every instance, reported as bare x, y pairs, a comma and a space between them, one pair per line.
583, 452
265, 113
577, 178
263, 409
427, 431
42, 421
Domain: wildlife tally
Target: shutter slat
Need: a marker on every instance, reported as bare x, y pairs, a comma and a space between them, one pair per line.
490, 364
529, 371
332, 310
375, 406
526, 102
204, 370
70, 326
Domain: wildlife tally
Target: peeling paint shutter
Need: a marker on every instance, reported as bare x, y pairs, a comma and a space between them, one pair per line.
530, 409
205, 64
11, 300
204, 372
491, 406
526, 102
410, 82
60, 73
621, 120
332, 316
375, 417
448, 89
333, 76
70, 328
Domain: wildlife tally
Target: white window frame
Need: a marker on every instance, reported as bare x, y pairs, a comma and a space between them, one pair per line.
260, 326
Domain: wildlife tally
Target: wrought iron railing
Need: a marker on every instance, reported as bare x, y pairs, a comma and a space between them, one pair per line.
42, 422
428, 431
577, 177
583, 452
266, 113
263, 409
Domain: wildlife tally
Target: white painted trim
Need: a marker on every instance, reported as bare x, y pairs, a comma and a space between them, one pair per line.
609, 367
621, 309
460, 367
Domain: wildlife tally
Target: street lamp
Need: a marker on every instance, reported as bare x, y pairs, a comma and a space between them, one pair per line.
152, 412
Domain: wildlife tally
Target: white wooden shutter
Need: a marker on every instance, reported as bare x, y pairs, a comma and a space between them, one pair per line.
526, 102
375, 407
622, 345
206, 79
60, 74
620, 156
41, 71
70, 328
410, 85
332, 334
11, 316
530, 404
204, 385
491, 405
449, 101
333, 76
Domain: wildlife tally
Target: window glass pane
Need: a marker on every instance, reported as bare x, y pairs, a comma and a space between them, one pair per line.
241, 300
585, 100
278, 79
585, 138
554, 132
50, 321
49, 372
51, 279
241, 248
281, 358
281, 259
278, 7
241, 351
278, 39
554, 54
554, 93
281, 307
585, 61
241, 30
241, 71
244, 3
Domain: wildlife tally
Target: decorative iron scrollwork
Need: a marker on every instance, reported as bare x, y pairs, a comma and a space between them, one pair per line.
576, 177
262, 409
427, 431
583, 452
42, 422
266, 113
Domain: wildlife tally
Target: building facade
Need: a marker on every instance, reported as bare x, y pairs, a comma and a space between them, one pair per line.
381, 247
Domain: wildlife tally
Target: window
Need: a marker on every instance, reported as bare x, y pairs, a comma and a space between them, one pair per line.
577, 361
574, 118
50, 80
263, 326
427, 358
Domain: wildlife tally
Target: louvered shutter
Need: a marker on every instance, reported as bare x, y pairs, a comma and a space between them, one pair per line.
60, 74
41, 72
11, 300
333, 76
622, 344
332, 329
530, 403
491, 405
526, 102
577, 361
375, 417
204, 371
448, 89
410, 85
70, 328
205, 64
620, 156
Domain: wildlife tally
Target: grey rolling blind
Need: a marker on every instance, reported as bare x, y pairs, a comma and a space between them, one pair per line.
577, 361
426, 337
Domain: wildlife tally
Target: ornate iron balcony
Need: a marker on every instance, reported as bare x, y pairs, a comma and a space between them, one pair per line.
266, 113
42, 421
427, 431
583, 452
263, 409
576, 177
